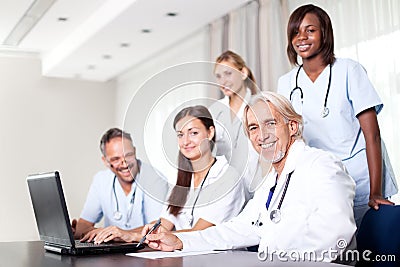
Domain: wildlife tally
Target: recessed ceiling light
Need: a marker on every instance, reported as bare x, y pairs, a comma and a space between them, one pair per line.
107, 56
62, 19
125, 44
146, 31
172, 14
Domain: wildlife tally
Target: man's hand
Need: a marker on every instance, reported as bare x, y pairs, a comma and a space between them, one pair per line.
113, 233
89, 237
73, 225
164, 241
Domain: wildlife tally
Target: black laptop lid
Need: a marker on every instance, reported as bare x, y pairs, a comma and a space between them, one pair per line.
50, 209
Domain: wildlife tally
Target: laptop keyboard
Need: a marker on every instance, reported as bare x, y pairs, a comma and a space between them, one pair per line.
89, 244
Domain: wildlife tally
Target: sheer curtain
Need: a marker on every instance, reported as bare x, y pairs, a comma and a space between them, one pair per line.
367, 31
255, 32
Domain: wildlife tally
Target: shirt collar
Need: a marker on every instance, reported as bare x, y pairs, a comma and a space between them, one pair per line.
247, 97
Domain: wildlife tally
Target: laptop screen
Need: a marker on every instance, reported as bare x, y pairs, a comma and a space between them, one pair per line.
50, 209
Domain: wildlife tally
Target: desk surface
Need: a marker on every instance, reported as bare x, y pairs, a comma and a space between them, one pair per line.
32, 254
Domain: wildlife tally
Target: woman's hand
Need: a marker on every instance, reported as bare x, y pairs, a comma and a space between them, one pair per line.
375, 201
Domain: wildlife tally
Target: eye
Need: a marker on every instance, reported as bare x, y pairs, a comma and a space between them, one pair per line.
179, 135
228, 73
270, 124
252, 128
194, 133
218, 76
114, 160
130, 155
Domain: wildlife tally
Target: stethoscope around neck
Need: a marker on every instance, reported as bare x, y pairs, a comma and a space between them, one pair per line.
275, 214
325, 109
117, 214
198, 194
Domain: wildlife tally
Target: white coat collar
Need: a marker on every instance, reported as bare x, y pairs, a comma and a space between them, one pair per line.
292, 159
247, 97
215, 172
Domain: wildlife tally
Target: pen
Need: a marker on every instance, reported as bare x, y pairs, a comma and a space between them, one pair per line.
152, 229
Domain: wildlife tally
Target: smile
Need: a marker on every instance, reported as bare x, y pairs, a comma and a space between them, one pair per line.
303, 47
266, 146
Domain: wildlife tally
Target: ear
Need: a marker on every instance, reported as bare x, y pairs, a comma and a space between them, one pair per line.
211, 133
245, 73
105, 162
293, 127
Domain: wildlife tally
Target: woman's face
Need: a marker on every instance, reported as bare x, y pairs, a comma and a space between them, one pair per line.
307, 40
193, 137
229, 78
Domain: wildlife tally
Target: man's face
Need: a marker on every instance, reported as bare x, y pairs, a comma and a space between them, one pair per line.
121, 159
268, 131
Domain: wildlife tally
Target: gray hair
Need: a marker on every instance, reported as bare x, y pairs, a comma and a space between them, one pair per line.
281, 105
111, 134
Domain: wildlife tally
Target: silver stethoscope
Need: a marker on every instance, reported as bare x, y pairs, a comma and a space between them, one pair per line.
275, 214
117, 214
325, 110
198, 194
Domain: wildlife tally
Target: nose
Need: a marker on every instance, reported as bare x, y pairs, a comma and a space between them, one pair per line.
301, 35
186, 139
222, 80
123, 162
265, 134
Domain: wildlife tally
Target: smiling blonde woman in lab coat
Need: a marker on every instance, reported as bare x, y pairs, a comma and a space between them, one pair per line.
236, 81
310, 209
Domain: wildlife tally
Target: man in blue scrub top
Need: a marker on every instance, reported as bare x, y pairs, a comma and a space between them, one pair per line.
125, 194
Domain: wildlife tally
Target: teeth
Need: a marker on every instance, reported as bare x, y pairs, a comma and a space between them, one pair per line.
303, 47
265, 146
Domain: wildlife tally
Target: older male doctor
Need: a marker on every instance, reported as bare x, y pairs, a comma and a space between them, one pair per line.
305, 205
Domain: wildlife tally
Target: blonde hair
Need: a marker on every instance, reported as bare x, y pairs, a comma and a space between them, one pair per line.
240, 64
281, 105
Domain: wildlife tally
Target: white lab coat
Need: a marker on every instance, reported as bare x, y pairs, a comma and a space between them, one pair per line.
220, 199
316, 212
232, 142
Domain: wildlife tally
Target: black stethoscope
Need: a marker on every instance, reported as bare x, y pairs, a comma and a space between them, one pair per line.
197, 197
325, 110
275, 215
117, 214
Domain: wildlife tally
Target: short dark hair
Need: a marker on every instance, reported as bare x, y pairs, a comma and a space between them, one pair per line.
327, 40
111, 134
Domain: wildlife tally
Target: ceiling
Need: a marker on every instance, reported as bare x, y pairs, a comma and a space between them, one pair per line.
99, 39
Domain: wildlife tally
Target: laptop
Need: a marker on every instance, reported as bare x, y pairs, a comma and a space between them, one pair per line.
53, 221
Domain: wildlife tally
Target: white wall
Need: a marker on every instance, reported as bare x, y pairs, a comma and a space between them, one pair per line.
47, 124
193, 48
